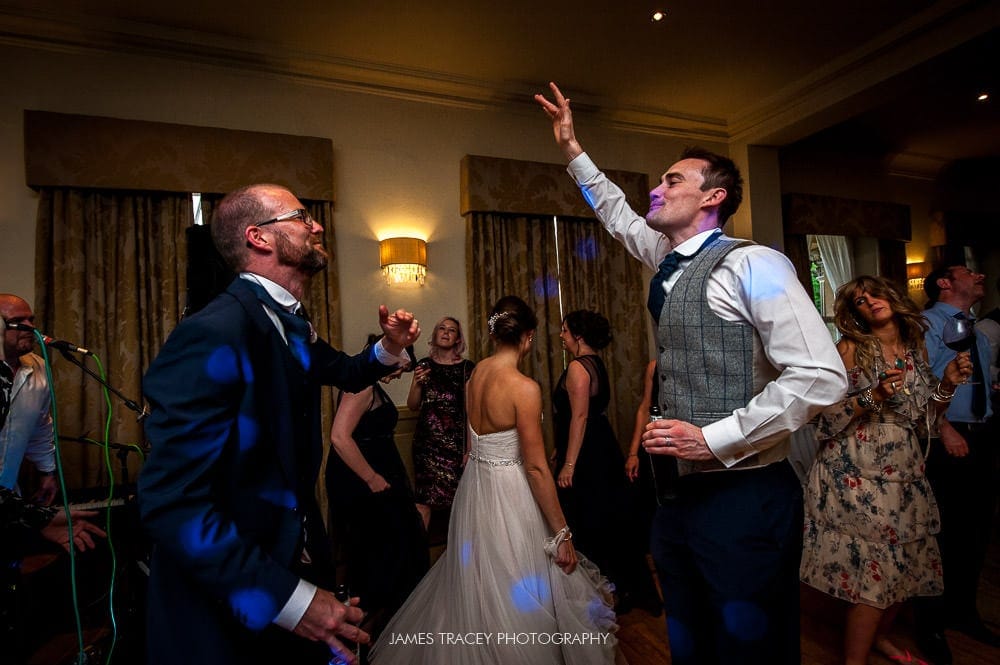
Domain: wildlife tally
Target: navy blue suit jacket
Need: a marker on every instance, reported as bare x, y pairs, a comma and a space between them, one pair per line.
236, 444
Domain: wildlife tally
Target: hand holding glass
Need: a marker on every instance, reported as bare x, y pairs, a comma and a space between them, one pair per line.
959, 335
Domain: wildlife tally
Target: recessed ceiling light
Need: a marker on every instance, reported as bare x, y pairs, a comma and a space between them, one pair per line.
658, 16
983, 97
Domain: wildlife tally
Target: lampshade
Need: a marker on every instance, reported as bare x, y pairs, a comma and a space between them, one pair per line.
915, 273
403, 260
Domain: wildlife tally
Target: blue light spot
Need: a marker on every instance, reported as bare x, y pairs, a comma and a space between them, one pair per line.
681, 639
588, 197
254, 608
587, 250
249, 429
280, 497
745, 620
300, 349
466, 552
546, 287
530, 593
221, 366
201, 537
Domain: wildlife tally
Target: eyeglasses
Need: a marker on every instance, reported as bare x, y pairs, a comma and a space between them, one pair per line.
299, 215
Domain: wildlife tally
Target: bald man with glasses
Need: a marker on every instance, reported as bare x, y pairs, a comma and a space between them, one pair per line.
241, 566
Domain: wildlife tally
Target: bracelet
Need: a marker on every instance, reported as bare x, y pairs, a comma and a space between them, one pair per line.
633, 454
940, 395
551, 545
567, 463
866, 400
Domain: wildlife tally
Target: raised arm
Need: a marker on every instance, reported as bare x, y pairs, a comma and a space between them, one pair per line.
528, 419
416, 395
562, 122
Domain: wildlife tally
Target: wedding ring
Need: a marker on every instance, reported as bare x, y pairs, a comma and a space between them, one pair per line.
893, 384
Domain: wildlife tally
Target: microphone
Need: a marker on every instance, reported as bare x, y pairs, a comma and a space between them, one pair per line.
50, 342
63, 345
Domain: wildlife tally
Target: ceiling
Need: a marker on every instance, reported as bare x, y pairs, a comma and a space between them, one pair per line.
900, 72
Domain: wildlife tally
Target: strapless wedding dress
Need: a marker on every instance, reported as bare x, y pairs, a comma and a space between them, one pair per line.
495, 596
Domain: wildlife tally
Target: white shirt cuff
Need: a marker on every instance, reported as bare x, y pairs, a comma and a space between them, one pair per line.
727, 442
582, 168
389, 359
290, 615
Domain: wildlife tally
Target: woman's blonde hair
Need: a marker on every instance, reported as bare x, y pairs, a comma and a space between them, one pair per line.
456, 351
907, 315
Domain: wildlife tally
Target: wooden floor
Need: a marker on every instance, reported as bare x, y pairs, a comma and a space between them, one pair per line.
643, 638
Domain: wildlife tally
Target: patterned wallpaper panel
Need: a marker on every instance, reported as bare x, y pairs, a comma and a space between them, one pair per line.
65, 150
512, 186
830, 215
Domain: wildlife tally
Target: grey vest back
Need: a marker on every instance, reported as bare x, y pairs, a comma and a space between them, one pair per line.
707, 367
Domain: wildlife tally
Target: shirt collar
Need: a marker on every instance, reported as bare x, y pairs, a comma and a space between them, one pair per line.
694, 243
279, 293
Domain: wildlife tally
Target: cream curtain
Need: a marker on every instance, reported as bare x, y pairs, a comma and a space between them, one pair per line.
597, 273
517, 255
109, 276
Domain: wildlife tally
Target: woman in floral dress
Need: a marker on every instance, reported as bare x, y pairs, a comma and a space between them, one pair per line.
870, 515
438, 392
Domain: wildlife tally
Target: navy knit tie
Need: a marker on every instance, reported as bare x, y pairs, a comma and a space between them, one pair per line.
668, 266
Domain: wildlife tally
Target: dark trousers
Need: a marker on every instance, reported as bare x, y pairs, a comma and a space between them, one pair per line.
965, 490
727, 551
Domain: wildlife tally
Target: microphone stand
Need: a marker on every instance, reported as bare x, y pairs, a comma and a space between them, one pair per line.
141, 410
122, 450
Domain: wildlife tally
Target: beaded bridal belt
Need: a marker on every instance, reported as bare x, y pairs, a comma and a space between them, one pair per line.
495, 462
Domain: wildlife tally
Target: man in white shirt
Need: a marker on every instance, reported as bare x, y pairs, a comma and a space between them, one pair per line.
744, 359
28, 430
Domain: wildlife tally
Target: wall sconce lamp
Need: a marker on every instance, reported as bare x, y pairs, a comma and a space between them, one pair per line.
403, 260
915, 273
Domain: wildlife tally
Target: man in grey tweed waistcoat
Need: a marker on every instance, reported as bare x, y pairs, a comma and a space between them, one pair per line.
743, 360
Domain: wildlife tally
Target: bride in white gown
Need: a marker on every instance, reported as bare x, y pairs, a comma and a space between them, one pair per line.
510, 588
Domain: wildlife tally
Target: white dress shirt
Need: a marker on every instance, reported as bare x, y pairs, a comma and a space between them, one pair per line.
755, 285
28, 431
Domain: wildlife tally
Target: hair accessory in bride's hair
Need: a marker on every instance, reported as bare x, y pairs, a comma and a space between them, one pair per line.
492, 321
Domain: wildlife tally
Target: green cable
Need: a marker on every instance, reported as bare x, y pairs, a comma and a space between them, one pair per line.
107, 510
81, 656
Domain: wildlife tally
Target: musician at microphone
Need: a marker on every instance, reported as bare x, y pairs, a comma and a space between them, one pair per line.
27, 434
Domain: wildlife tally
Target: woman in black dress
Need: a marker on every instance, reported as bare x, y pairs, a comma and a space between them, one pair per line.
590, 464
375, 523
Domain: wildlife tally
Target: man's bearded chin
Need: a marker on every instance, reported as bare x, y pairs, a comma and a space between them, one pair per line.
310, 260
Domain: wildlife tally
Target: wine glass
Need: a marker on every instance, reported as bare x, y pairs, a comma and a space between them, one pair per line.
959, 335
